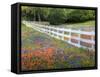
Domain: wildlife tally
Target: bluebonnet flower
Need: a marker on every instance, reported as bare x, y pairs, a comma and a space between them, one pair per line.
66, 57
75, 62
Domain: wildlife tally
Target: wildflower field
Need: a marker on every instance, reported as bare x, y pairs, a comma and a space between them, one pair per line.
40, 52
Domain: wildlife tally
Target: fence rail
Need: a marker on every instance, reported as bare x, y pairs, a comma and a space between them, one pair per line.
76, 38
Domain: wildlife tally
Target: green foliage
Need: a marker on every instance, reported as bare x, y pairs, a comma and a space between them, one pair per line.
80, 15
57, 16
34, 13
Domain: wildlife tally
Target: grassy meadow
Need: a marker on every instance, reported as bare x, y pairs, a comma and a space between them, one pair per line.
40, 51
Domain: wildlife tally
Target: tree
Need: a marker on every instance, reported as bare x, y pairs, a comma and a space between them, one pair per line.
56, 16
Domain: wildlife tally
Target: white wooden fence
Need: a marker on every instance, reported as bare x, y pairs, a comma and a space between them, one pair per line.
76, 38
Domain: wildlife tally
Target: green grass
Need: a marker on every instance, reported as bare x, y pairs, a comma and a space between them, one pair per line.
81, 24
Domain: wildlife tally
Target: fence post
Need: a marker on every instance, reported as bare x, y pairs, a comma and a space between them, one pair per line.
69, 35
92, 38
50, 31
79, 38
62, 34
57, 32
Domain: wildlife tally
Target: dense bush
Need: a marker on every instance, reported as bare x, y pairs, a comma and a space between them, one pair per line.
80, 15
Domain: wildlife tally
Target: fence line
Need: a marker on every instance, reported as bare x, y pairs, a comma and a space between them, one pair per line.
77, 38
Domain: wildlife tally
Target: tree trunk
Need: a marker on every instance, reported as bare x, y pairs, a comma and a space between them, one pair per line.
39, 18
34, 16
